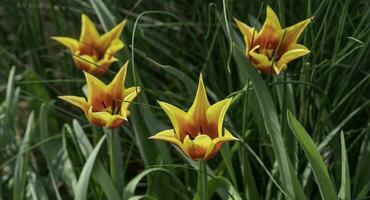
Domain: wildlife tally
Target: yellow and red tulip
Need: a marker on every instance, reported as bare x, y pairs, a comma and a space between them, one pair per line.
199, 133
106, 105
94, 53
272, 48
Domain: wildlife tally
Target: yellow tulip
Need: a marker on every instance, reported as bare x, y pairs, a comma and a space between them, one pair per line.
94, 53
106, 105
272, 48
199, 133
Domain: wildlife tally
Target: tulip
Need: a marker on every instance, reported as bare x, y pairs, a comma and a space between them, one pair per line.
199, 133
106, 105
272, 48
94, 53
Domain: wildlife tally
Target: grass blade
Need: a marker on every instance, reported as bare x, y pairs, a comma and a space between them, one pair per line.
221, 183
99, 172
324, 182
272, 124
115, 153
130, 188
345, 188
105, 16
83, 180
21, 166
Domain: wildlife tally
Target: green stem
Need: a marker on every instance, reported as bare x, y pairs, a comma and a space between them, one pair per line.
202, 176
111, 151
115, 157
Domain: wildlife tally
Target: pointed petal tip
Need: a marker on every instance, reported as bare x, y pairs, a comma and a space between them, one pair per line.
126, 63
57, 38
84, 16
114, 59
64, 97
201, 77
156, 136
234, 138
269, 9
152, 137
123, 23
162, 104
236, 20
201, 82
229, 100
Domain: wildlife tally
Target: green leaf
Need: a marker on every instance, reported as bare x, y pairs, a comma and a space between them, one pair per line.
21, 166
361, 179
324, 182
68, 173
226, 157
115, 153
105, 16
50, 150
130, 188
10, 88
99, 172
272, 124
345, 188
221, 183
83, 180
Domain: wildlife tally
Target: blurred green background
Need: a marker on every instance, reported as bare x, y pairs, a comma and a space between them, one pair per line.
45, 143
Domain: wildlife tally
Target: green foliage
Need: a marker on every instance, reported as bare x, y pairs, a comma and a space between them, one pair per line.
319, 150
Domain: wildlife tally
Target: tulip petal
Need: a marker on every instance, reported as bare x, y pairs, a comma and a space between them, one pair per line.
227, 136
269, 36
116, 87
115, 46
88, 64
129, 95
107, 38
215, 117
272, 19
76, 101
198, 147
262, 62
103, 65
170, 136
215, 146
196, 116
89, 35
177, 118
288, 56
248, 32
292, 33
70, 43
105, 119
96, 89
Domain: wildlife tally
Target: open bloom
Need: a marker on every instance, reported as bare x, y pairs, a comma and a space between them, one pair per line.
199, 133
106, 105
272, 48
94, 53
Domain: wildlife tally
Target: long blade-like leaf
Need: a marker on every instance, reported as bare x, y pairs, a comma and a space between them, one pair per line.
99, 172
21, 166
83, 180
272, 124
324, 182
345, 188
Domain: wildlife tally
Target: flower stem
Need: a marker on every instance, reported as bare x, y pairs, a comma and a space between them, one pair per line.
115, 157
202, 177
